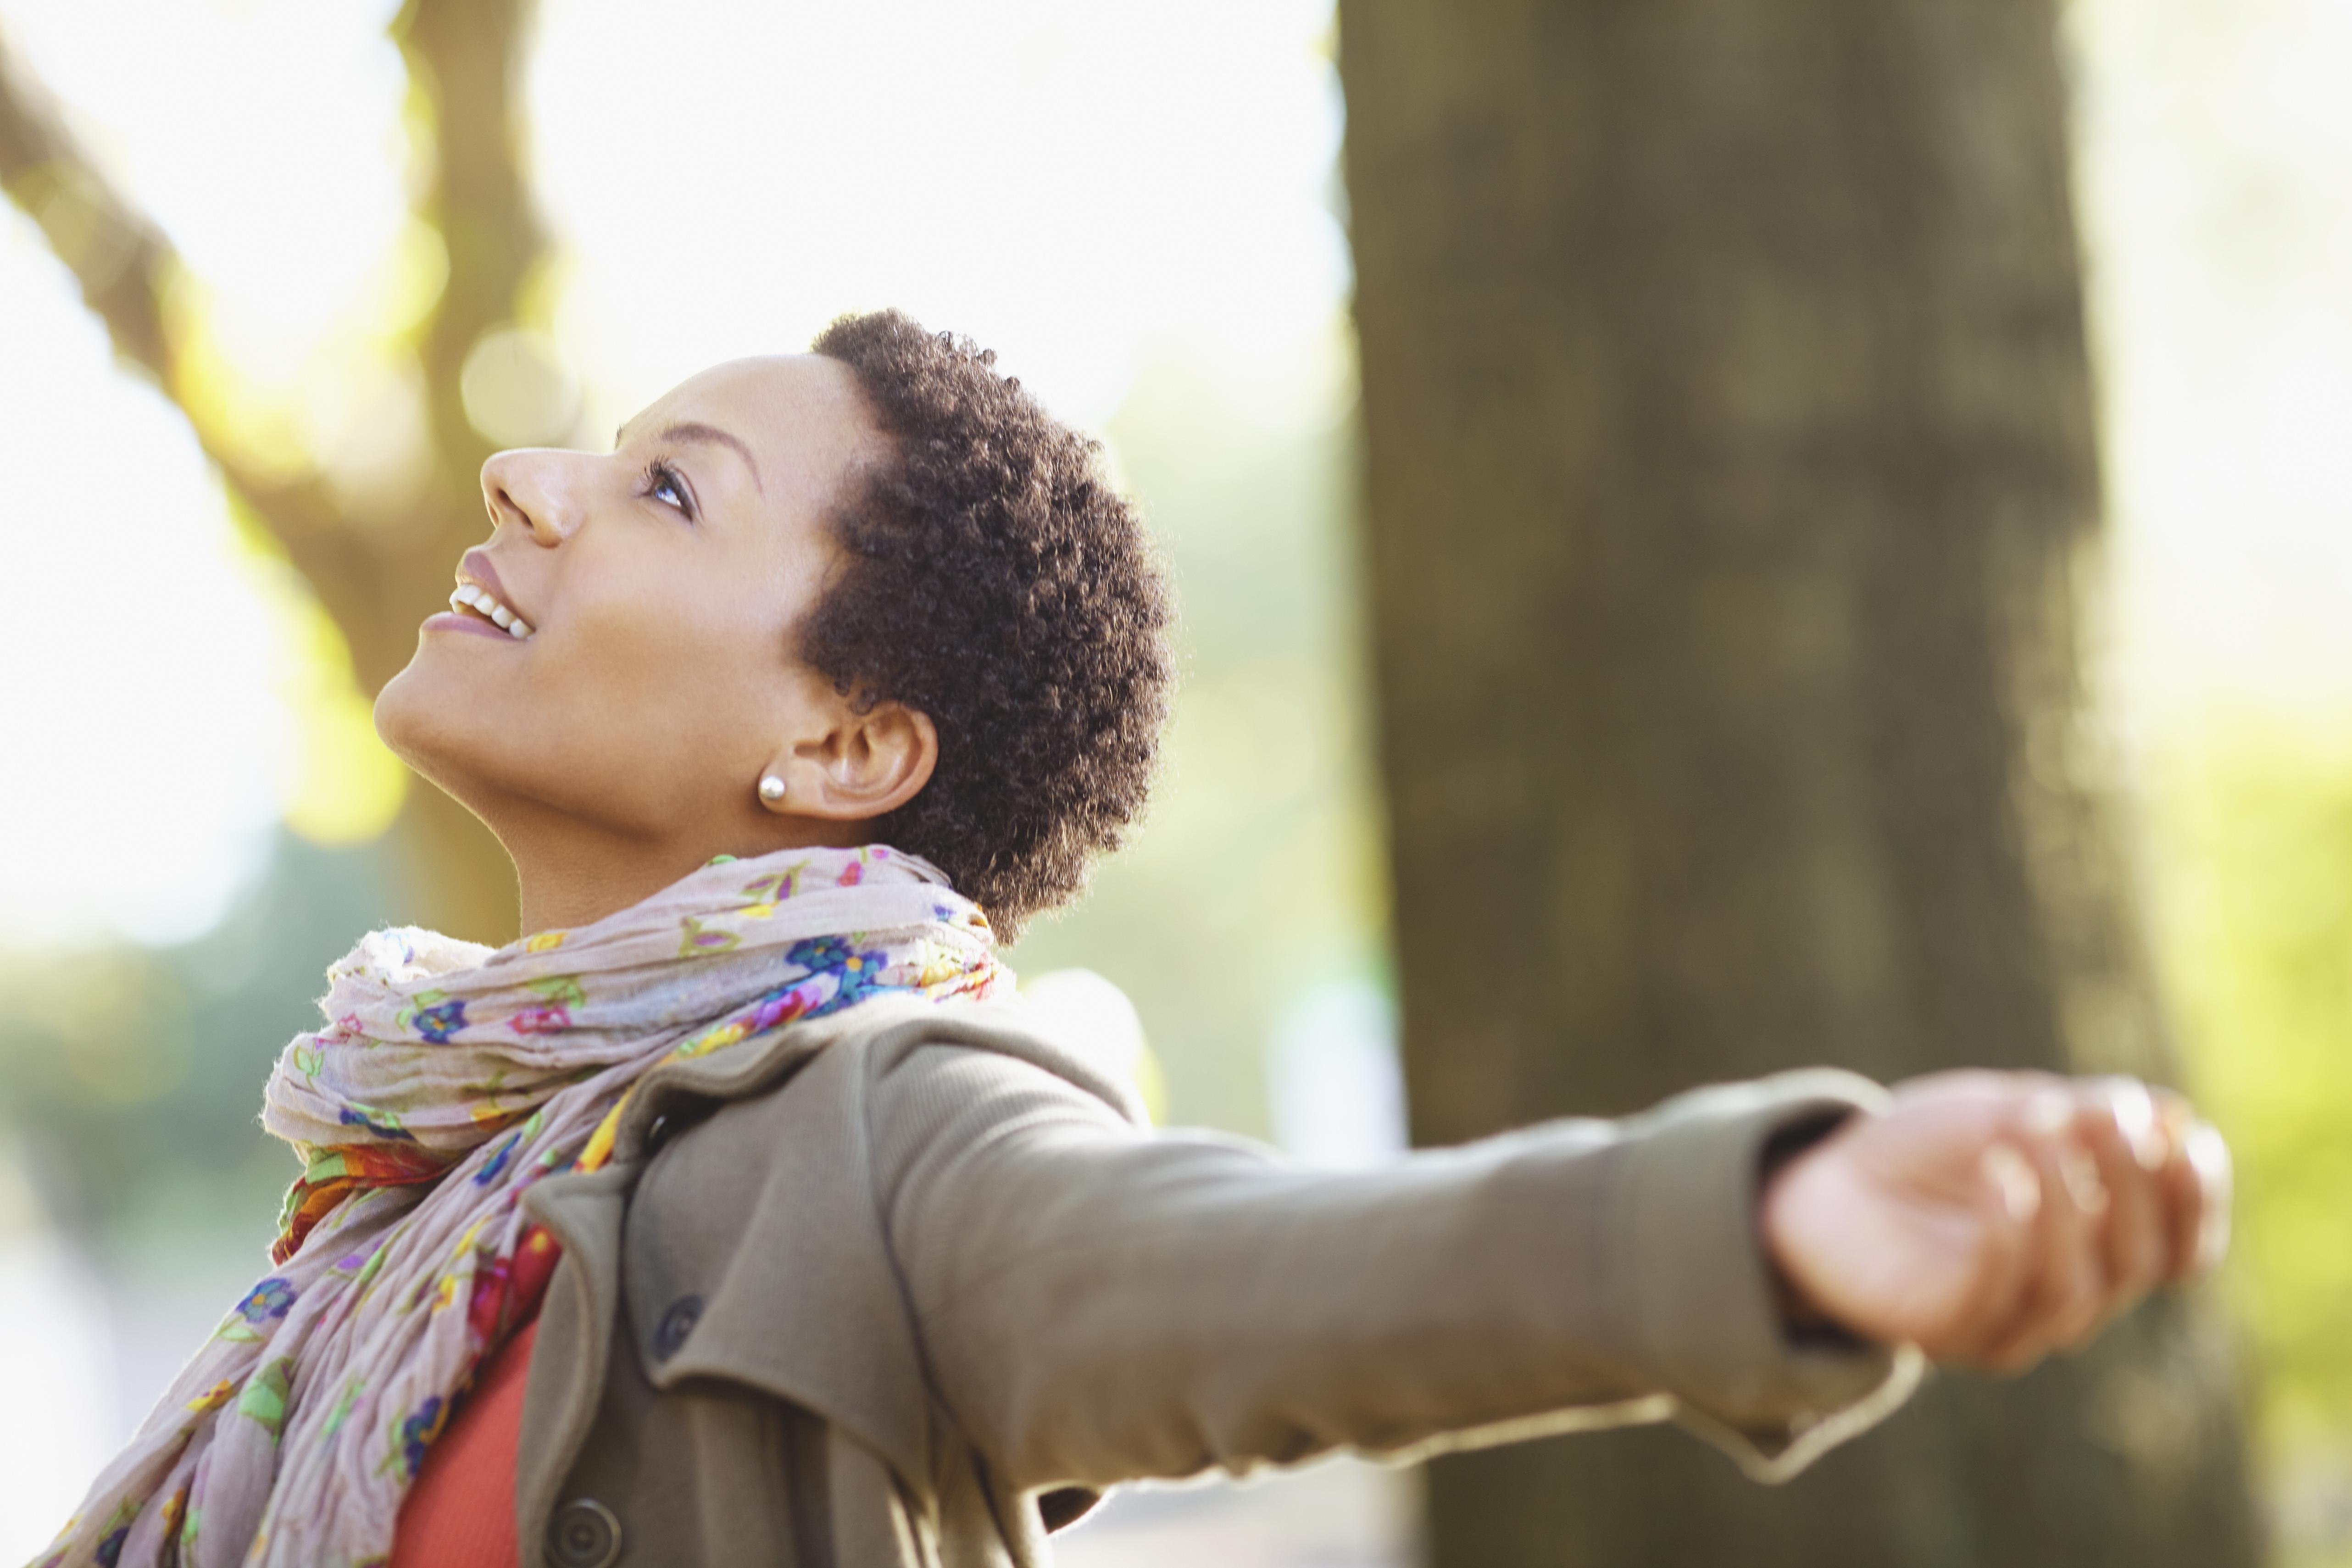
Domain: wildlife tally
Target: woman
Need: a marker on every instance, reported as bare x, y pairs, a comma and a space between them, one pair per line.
739, 1213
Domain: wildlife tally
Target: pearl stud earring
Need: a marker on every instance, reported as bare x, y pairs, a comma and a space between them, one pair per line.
771, 789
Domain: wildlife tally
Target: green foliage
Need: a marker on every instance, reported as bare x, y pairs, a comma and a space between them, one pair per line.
131, 1077
2253, 830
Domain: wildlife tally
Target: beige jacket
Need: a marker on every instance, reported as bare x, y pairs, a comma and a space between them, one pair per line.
908, 1287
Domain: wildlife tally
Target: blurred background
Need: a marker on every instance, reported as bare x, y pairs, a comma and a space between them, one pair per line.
276, 274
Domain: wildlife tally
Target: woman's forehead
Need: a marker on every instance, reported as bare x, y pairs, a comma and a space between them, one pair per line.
799, 420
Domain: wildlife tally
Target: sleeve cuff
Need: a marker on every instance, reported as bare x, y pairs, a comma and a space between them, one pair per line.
1691, 1290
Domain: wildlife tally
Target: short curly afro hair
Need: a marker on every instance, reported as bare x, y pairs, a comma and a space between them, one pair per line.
992, 579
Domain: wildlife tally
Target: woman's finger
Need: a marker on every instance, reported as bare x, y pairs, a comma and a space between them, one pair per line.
2182, 1192
2206, 1157
2196, 1189
2070, 1287
2120, 1129
2010, 1210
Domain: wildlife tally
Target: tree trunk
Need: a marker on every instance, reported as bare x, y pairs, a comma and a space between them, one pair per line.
1731, 476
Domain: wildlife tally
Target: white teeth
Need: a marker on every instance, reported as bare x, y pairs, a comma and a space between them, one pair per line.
472, 596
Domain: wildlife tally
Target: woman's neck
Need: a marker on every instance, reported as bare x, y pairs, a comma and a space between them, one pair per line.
565, 887
572, 876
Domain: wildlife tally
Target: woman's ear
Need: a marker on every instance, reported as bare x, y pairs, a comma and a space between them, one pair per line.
864, 764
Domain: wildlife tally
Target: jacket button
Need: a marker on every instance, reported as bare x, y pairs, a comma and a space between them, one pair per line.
656, 1134
674, 1325
584, 1535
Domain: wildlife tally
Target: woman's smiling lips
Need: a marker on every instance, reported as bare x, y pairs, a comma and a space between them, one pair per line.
474, 567
457, 621
479, 603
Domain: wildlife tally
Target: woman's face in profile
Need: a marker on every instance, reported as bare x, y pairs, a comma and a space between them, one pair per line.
660, 584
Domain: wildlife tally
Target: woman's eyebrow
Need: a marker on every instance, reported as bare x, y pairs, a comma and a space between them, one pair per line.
709, 435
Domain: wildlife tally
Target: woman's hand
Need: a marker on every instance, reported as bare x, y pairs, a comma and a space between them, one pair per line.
1993, 1218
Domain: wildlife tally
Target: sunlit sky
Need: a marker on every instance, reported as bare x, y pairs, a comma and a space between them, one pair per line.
1089, 187
2215, 142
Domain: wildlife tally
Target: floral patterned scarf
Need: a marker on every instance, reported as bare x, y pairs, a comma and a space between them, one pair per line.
449, 1078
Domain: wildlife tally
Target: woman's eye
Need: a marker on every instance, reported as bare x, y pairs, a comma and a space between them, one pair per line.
662, 484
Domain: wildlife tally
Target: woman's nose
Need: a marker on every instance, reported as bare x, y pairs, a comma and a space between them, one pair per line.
529, 489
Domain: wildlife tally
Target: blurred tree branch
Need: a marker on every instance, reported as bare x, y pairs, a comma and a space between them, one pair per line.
464, 57
128, 270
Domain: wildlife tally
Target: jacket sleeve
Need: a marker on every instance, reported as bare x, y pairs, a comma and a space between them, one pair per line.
1096, 1303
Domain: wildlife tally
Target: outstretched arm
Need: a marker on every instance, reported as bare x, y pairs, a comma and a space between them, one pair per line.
1097, 1304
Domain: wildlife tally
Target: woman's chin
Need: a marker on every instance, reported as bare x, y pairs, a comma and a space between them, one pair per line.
418, 715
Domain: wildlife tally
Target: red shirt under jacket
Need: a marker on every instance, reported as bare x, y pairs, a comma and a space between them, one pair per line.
461, 1511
